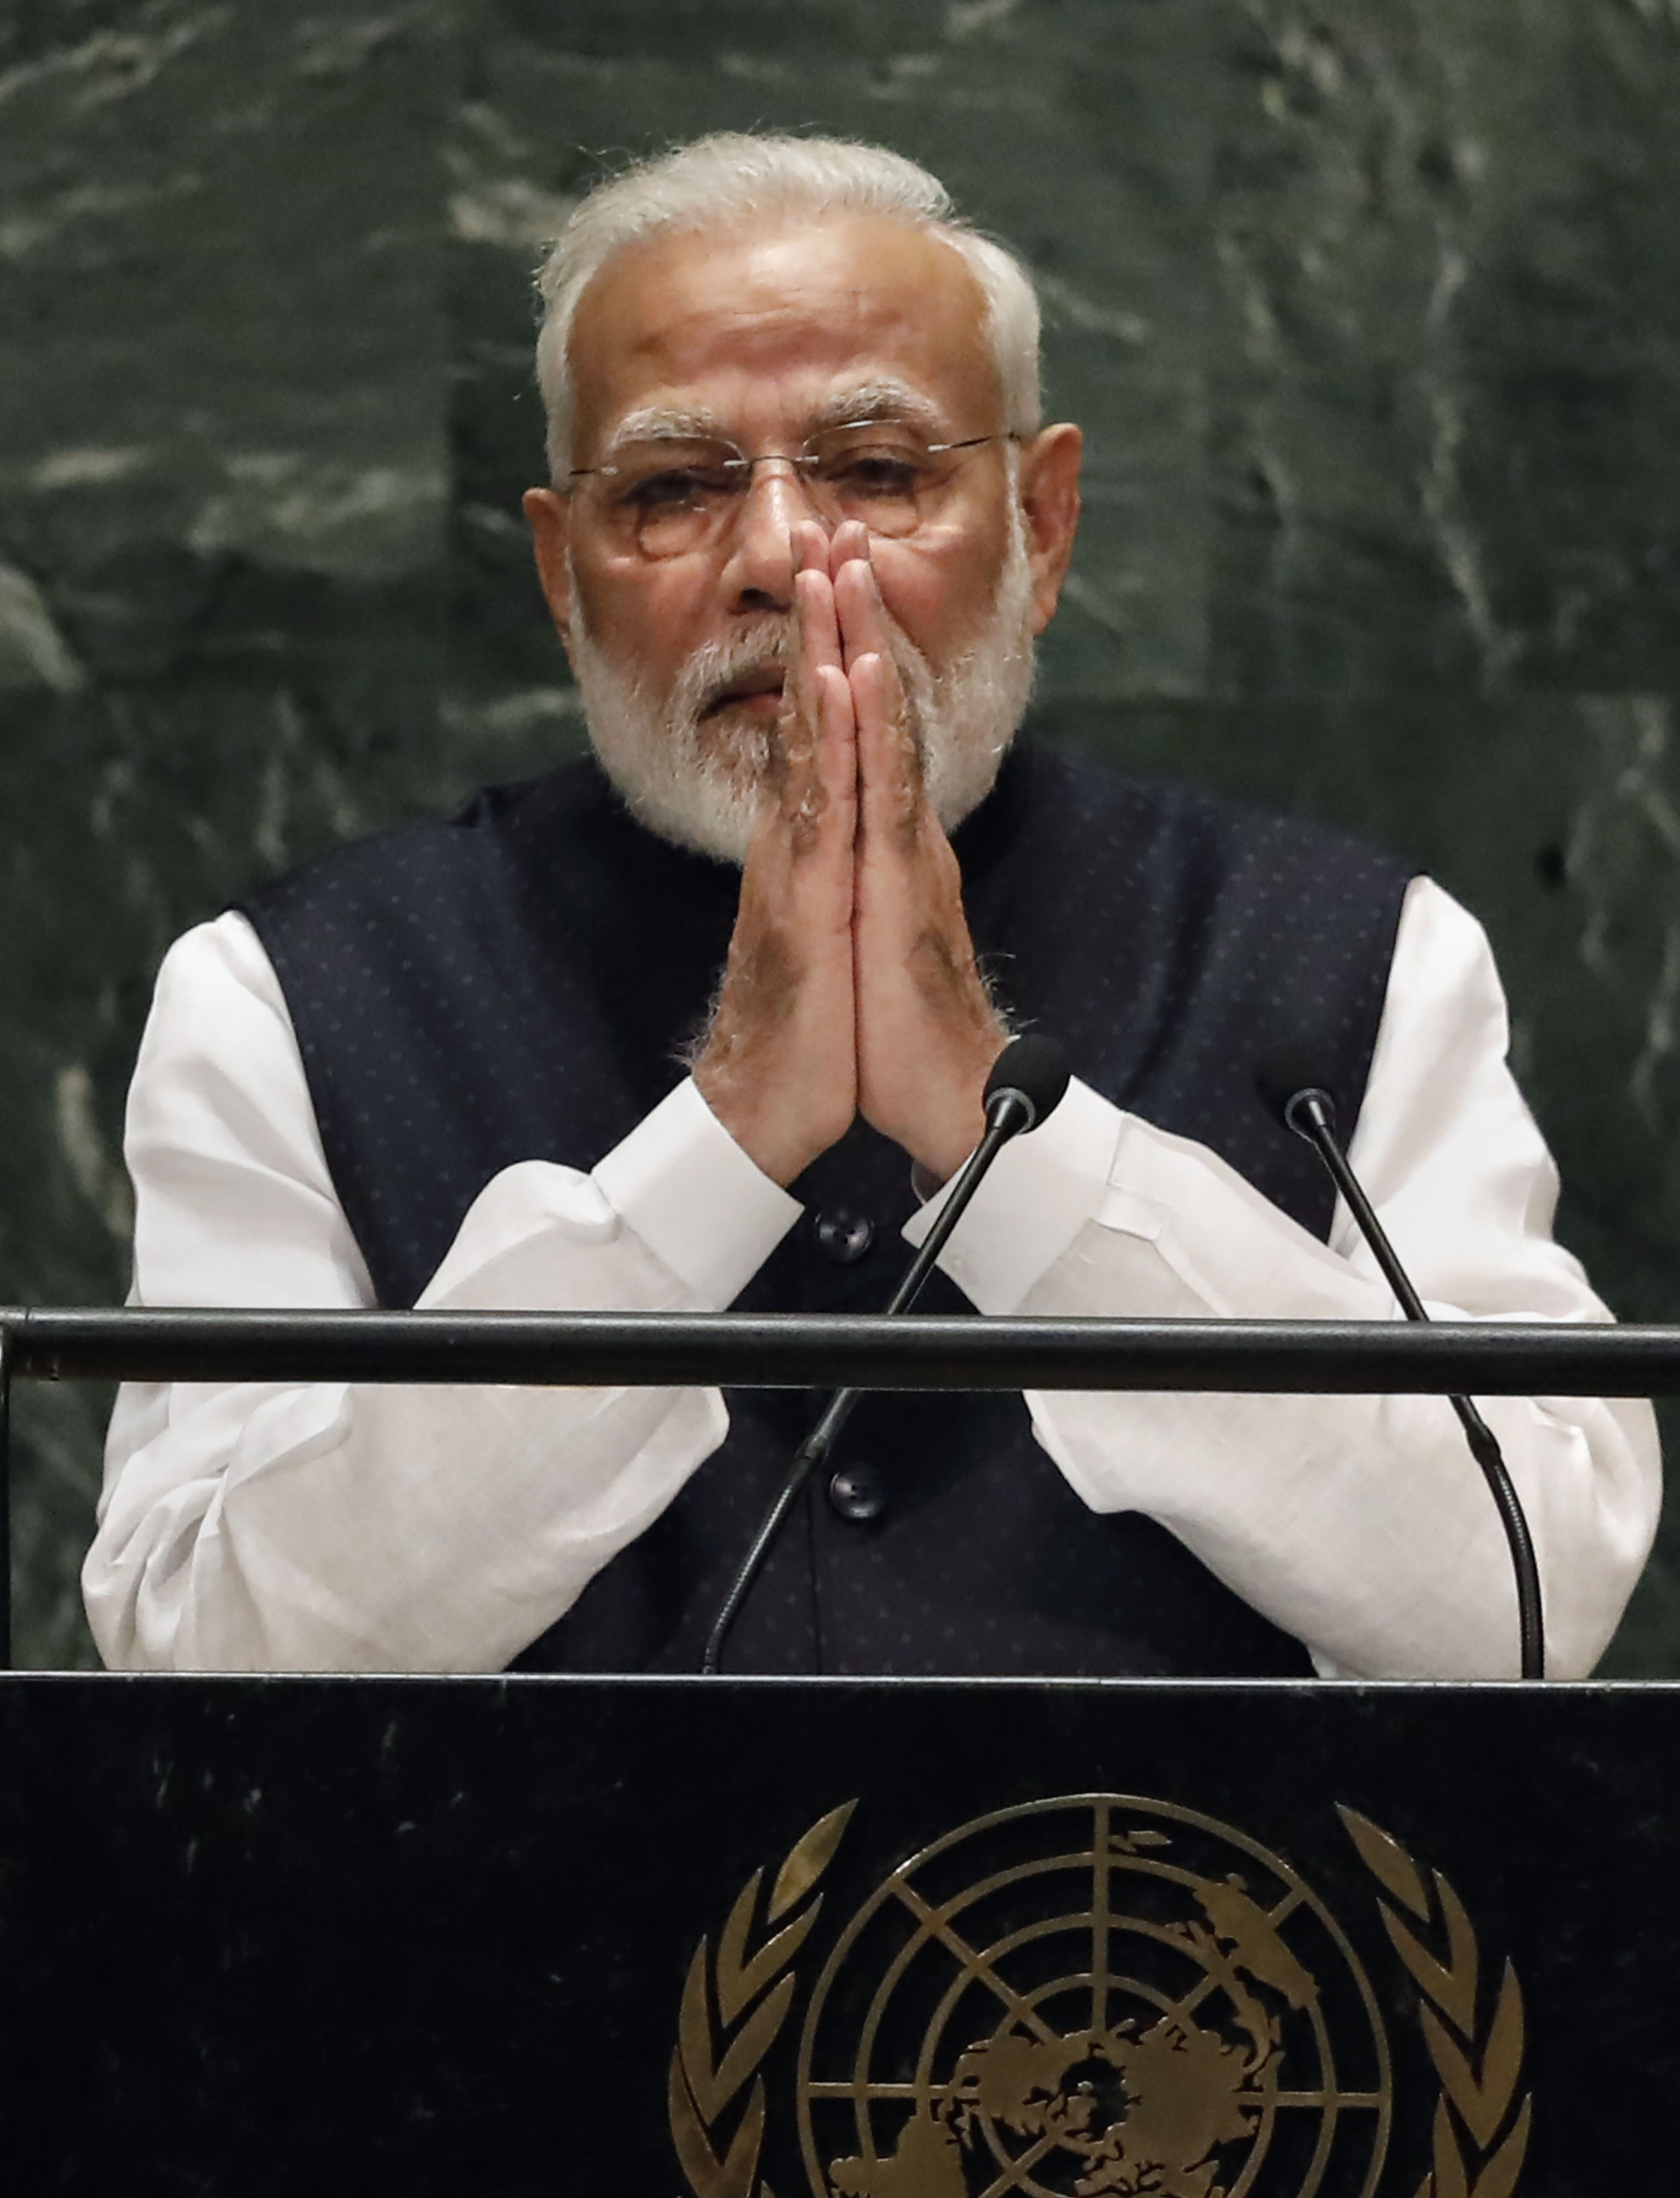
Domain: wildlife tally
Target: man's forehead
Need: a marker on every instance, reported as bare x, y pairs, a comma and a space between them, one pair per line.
796, 314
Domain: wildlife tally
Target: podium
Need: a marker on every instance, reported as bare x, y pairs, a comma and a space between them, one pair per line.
667, 1938
821, 1939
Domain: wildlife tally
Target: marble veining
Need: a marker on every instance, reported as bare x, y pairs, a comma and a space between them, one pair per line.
1371, 315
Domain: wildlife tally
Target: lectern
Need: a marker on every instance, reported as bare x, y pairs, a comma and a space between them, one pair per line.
682, 1938
686, 1938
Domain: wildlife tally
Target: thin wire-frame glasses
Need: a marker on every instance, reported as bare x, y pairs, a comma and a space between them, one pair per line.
673, 496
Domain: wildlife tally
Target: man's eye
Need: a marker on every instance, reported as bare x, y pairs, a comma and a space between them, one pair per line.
665, 492
876, 474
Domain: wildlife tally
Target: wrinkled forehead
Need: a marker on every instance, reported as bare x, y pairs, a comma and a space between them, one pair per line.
774, 326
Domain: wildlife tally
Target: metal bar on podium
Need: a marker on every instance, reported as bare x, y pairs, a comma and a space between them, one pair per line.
826, 1351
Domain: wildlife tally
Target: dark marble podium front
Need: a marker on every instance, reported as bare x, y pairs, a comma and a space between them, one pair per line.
273, 1936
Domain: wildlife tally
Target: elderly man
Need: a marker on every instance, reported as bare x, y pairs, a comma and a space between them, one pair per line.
803, 528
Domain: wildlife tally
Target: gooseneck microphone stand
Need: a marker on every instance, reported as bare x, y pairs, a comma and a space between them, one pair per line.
1027, 1082
1308, 1109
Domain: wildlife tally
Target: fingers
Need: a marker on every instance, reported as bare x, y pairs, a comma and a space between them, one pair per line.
801, 772
819, 791
810, 547
816, 620
818, 642
862, 615
889, 757
820, 800
891, 796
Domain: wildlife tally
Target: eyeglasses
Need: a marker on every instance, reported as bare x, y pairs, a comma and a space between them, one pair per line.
671, 496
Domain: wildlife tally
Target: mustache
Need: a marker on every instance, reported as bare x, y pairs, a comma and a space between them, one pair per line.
770, 643
716, 667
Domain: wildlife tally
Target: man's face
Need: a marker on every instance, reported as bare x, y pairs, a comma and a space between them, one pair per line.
763, 334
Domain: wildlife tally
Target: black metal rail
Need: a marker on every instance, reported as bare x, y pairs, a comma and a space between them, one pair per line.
787, 1351
800, 1351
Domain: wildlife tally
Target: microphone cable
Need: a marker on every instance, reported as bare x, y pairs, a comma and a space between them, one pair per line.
1303, 1105
1028, 1081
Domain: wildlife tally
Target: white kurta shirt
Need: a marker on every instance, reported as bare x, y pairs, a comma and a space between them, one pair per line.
343, 1528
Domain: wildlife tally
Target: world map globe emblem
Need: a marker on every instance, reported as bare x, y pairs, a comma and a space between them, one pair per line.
1089, 1995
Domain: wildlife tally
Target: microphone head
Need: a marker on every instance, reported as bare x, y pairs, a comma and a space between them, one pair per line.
1288, 1072
1033, 1070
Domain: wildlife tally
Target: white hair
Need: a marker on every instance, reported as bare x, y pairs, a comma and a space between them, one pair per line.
731, 176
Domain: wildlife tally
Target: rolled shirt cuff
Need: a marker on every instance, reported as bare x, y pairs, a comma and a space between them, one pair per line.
694, 1199
1041, 1191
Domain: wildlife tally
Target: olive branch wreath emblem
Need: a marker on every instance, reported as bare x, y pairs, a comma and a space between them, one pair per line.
1479, 2148
735, 2002
734, 2006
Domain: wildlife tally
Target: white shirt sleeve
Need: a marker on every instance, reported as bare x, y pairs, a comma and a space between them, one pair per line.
341, 1527
1361, 1525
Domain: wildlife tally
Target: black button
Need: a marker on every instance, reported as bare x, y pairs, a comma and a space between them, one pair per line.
843, 1236
858, 1492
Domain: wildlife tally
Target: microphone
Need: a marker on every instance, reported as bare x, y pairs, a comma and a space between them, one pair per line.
1028, 1081
1299, 1100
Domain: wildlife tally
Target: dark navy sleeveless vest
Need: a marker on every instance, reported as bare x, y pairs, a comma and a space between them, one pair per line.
518, 982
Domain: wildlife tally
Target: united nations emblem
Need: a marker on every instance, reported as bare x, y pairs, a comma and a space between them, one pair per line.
1088, 1995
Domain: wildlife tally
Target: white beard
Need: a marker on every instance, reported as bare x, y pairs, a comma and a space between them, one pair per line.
696, 780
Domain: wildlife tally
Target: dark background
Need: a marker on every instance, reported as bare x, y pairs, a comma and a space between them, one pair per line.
1370, 312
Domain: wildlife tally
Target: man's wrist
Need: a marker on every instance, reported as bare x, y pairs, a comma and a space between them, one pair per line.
775, 1146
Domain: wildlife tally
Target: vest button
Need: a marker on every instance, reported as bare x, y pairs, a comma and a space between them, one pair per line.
858, 1492
843, 1236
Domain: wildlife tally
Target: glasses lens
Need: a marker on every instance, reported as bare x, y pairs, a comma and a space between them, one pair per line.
885, 476
668, 498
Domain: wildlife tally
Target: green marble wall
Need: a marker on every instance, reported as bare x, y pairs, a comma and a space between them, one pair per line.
1370, 311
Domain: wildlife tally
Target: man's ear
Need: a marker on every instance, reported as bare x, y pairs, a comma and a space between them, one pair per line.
1049, 496
548, 516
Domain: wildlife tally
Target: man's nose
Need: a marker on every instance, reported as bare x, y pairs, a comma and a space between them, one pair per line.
759, 571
